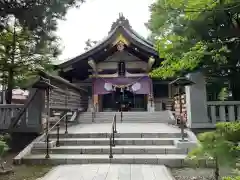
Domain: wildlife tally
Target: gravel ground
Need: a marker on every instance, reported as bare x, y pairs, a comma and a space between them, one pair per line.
197, 174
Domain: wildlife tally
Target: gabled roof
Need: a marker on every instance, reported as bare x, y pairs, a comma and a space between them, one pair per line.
121, 26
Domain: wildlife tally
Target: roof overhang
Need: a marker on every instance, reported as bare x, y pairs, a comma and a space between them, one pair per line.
134, 42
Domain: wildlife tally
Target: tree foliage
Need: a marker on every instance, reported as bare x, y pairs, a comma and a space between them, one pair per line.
39, 16
194, 35
220, 145
21, 56
27, 38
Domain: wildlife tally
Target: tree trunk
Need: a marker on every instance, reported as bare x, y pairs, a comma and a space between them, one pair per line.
9, 86
11, 69
216, 169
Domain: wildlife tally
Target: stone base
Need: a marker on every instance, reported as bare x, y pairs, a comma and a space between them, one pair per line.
44, 144
185, 144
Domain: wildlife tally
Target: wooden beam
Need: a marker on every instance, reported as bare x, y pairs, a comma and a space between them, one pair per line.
151, 61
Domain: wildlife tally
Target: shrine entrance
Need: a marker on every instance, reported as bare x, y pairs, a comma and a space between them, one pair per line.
122, 93
124, 100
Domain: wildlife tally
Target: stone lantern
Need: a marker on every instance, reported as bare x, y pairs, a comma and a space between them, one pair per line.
180, 83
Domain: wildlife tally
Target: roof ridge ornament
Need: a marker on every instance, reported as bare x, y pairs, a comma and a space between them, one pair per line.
121, 21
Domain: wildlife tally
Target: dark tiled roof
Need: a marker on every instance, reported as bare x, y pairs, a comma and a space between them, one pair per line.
123, 26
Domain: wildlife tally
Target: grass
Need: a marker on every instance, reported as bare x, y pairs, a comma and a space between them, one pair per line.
23, 172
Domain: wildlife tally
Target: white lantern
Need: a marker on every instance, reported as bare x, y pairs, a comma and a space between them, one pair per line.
136, 87
108, 86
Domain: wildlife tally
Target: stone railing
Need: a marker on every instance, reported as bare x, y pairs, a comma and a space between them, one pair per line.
223, 111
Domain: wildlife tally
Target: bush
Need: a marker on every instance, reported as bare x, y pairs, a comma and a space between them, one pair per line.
3, 144
231, 178
230, 131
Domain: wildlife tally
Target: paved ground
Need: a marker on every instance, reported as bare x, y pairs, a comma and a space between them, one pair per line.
123, 128
109, 172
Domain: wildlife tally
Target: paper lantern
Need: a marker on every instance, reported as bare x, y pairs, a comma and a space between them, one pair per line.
136, 87
108, 86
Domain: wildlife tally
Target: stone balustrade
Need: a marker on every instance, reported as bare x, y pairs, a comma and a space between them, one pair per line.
223, 111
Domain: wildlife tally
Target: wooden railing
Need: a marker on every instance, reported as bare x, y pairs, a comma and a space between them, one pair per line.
7, 113
222, 111
61, 95
112, 136
24, 117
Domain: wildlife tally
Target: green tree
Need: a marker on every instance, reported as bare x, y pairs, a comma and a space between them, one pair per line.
194, 35
21, 56
214, 147
39, 16
220, 146
36, 17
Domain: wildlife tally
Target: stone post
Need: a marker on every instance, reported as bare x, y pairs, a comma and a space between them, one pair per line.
90, 104
196, 100
150, 104
96, 102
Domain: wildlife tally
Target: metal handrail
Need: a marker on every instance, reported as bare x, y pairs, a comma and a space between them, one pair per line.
57, 124
112, 142
94, 112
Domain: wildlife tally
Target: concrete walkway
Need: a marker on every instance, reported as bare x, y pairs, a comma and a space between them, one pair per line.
109, 172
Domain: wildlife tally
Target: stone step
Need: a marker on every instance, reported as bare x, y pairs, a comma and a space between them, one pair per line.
116, 150
117, 135
119, 141
126, 116
170, 160
149, 120
128, 113
88, 121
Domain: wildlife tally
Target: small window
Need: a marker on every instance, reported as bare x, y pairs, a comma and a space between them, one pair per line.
121, 69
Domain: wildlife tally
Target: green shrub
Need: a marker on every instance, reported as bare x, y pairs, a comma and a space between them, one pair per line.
3, 144
230, 130
214, 146
231, 178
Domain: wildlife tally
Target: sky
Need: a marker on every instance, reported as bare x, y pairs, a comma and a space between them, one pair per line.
93, 21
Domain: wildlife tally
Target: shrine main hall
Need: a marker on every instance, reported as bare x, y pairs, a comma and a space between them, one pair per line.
115, 72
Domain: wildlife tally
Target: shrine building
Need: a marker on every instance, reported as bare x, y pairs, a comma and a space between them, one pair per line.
115, 72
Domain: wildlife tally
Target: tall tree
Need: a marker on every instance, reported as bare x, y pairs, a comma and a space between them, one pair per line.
39, 16
198, 35
21, 56
30, 42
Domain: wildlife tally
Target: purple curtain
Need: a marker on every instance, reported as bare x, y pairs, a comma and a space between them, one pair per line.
146, 84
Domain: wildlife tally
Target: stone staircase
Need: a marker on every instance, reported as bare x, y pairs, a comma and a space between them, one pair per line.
131, 148
128, 117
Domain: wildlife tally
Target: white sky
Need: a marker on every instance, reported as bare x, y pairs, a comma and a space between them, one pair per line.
94, 19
